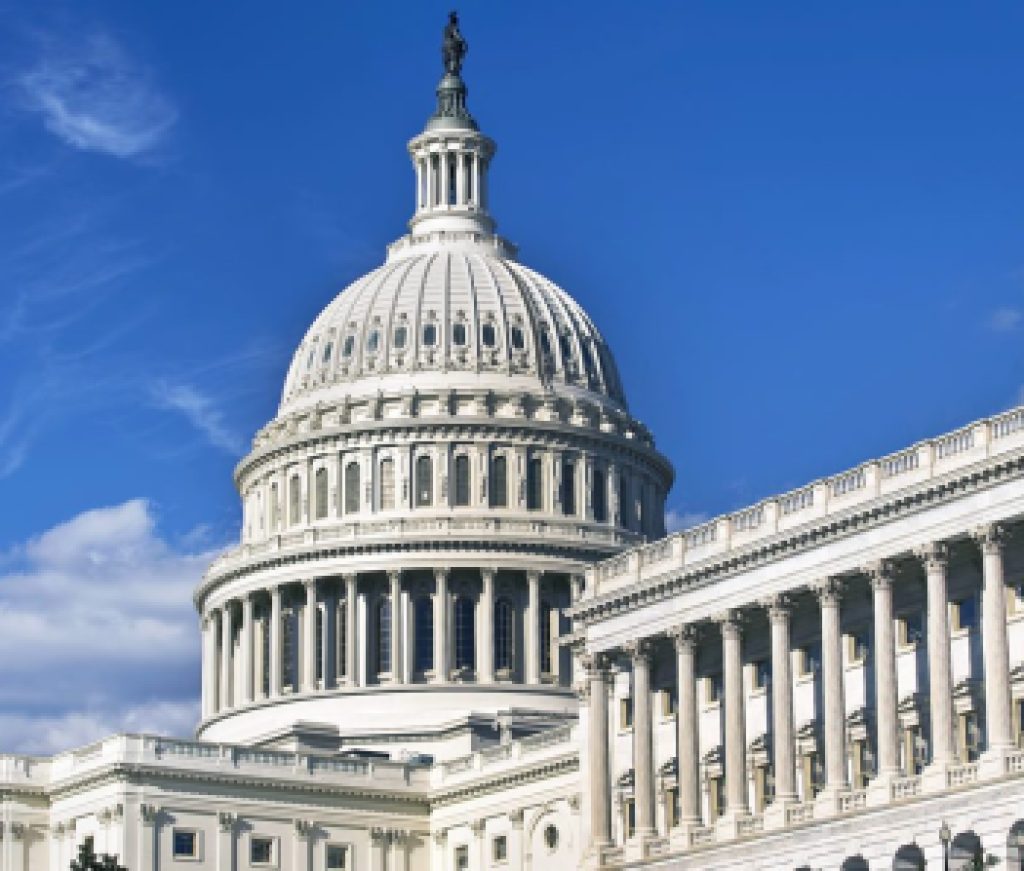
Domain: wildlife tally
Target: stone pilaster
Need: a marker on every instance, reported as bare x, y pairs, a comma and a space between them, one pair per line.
886, 686
829, 593
940, 679
995, 642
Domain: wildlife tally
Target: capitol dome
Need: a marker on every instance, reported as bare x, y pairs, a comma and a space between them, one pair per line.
452, 450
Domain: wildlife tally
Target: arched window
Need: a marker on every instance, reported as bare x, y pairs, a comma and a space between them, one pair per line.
424, 481
387, 484
625, 514
294, 500
545, 637
465, 632
568, 487
600, 496
320, 488
423, 629
384, 634
275, 507
499, 482
352, 487
504, 635
534, 484
462, 480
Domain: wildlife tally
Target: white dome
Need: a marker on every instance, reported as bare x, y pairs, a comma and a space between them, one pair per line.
464, 314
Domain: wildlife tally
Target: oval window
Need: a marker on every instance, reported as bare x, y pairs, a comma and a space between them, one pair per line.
400, 337
346, 349
373, 341
429, 335
459, 334
517, 338
551, 837
487, 335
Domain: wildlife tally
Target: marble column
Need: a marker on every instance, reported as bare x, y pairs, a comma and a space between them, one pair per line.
441, 667
419, 184
780, 611
940, 678
275, 641
227, 632
211, 694
886, 686
247, 649
994, 639
643, 737
598, 751
395, 599
532, 628
687, 744
735, 716
329, 653
829, 593
351, 637
309, 638
485, 637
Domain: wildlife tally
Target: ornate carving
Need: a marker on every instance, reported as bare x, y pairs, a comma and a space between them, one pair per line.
881, 573
991, 538
684, 637
226, 821
639, 649
934, 556
731, 623
779, 607
304, 828
148, 813
829, 592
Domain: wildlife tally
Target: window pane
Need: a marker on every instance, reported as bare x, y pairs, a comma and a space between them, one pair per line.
516, 334
568, 489
294, 499
184, 843
534, 484
373, 341
600, 496
459, 334
499, 482
352, 488
424, 631
424, 481
261, 851
346, 349
319, 644
337, 858
487, 335
462, 480
400, 334
387, 484
328, 348
429, 335
321, 494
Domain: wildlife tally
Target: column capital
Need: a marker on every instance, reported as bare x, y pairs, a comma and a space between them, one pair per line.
596, 665
684, 637
395, 576
881, 573
934, 555
349, 577
441, 574
533, 575
304, 828
148, 813
730, 622
226, 821
828, 591
779, 607
639, 649
309, 582
488, 572
991, 537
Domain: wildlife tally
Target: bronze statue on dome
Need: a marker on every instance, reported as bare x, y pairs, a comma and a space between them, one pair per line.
453, 46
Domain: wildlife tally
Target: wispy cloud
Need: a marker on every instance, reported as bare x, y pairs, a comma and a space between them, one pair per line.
103, 601
200, 411
94, 97
677, 520
1005, 319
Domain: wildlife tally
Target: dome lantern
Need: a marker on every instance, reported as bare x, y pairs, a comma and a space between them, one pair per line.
451, 156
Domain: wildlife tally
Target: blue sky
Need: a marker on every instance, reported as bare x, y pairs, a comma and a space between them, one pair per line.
798, 225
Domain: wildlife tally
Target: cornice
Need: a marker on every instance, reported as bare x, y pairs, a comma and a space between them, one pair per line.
855, 520
567, 763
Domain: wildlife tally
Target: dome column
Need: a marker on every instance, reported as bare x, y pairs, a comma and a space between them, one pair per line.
532, 627
395, 603
275, 641
227, 631
210, 623
247, 651
441, 668
351, 663
329, 648
309, 638
485, 637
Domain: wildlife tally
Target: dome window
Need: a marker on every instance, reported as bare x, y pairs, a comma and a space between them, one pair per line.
311, 358
566, 346
518, 341
400, 335
373, 342
346, 349
545, 342
429, 335
487, 335
459, 334
327, 352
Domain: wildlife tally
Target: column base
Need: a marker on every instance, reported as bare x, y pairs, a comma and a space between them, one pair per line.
638, 847
597, 856
992, 763
826, 802
727, 825
879, 790
681, 837
935, 775
775, 814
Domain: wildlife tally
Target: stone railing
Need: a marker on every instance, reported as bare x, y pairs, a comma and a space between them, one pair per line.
550, 741
1002, 434
854, 800
906, 787
799, 813
958, 775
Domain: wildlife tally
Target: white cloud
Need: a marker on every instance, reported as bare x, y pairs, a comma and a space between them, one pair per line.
94, 97
1005, 320
97, 631
200, 411
677, 520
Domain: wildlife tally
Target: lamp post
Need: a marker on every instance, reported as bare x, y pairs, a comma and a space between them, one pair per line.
944, 836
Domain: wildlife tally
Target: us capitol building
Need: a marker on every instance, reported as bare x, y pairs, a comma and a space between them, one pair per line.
454, 634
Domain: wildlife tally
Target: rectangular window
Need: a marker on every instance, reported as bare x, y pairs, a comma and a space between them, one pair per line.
387, 485
626, 713
568, 488
499, 482
600, 496
261, 851
337, 857
462, 480
185, 844
499, 849
462, 858
534, 484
